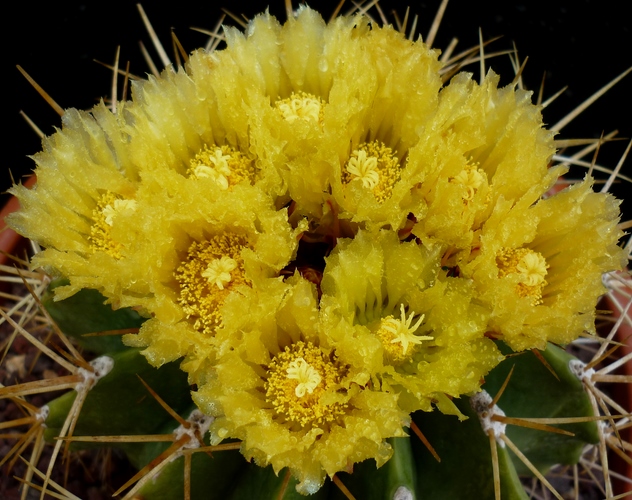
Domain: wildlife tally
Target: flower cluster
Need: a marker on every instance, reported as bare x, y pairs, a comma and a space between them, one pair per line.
324, 234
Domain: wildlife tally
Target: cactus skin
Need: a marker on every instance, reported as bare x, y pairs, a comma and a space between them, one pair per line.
533, 391
465, 470
222, 467
119, 404
84, 313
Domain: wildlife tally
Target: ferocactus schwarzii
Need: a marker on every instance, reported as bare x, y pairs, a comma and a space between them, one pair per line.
218, 180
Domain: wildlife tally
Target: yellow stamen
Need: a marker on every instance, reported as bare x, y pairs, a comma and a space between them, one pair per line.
209, 272
302, 106
224, 165
109, 206
302, 385
375, 166
399, 331
531, 268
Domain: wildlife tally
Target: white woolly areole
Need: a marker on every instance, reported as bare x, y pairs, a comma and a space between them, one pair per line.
199, 424
578, 368
101, 366
607, 279
42, 414
481, 404
403, 493
604, 429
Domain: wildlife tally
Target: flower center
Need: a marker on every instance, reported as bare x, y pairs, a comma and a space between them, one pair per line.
206, 277
375, 166
302, 385
531, 268
224, 165
472, 178
108, 208
218, 271
398, 336
363, 167
302, 106
111, 211
306, 375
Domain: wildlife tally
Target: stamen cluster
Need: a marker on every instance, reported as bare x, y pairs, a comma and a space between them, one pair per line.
301, 384
209, 271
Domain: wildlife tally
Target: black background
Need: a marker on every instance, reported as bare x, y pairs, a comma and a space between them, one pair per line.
582, 44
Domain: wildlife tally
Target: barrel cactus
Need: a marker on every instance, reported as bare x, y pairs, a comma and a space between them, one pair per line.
320, 261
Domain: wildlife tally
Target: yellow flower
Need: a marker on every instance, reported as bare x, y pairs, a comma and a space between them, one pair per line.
482, 144
351, 85
390, 308
193, 259
196, 122
539, 267
291, 399
82, 186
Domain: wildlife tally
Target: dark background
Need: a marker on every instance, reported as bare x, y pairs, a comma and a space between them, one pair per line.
582, 44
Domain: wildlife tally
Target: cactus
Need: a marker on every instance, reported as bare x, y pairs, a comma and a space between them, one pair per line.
318, 262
